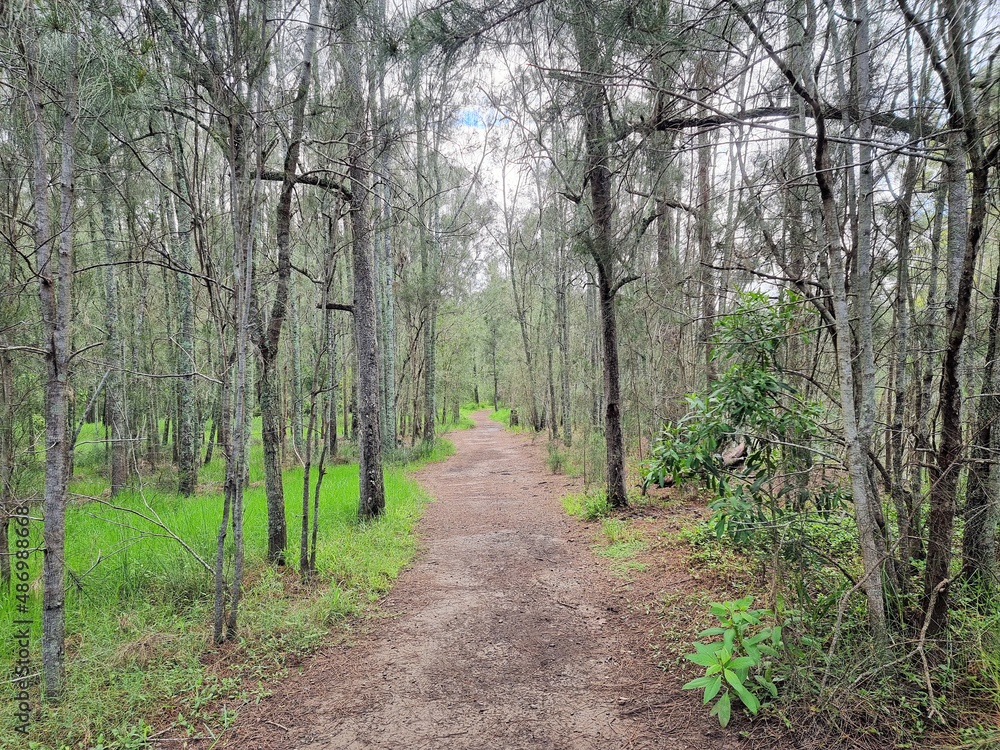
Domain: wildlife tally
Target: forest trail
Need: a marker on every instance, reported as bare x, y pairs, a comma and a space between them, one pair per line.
505, 633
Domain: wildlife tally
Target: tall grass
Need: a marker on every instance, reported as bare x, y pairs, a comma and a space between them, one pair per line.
139, 605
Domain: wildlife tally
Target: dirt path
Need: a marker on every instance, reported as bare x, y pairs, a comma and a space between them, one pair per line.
506, 633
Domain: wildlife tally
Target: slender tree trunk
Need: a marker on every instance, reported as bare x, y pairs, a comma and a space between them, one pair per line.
305, 570
269, 340
298, 396
598, 174
706, 254
383, 250
944, 473
562, 322
54, 268
371, 502
115, 354
521, 311
181, 214
903, 501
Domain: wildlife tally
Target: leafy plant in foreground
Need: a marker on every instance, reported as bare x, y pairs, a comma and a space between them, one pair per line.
739, 656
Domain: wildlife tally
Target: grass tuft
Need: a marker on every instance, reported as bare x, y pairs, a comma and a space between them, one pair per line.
589, 506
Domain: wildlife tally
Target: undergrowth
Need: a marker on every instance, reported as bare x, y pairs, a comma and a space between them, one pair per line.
589, 505
503, 416
139, 607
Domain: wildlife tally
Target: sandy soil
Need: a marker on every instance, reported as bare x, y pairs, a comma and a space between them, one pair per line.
507, 632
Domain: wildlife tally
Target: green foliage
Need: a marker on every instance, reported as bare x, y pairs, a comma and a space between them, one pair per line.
753, 410
555, 460
588, 505
741, 655
757, 329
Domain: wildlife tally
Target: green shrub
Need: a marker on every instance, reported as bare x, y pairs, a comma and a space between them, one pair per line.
740, 654
589, 506
556, 460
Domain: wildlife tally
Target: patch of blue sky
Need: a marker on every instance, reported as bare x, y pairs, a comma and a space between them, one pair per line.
479, 117
471, 118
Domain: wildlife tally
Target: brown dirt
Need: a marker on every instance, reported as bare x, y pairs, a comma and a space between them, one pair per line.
507, 632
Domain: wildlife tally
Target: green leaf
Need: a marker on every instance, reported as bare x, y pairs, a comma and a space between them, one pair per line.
711, 631
703, 660
706, 648
722, 709
697, 683
742, 662
748, 698
713, 689
727, 640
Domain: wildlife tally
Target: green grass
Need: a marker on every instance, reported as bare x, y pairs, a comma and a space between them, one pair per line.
621, 542
139, 607
589, 506
502, 415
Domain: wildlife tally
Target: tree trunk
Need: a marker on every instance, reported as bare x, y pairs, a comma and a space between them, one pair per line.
298, 396
562, 322
55, 278
903, 501
371, 502
183, 220
706, 255
598, 174
269, 339
388, 337
115, 354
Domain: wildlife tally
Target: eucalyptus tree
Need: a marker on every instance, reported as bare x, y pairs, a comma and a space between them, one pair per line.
222, 55
595, 57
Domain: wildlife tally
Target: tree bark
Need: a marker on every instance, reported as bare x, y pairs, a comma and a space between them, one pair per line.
115, 354
601, 242
183, 220
269, 339
371, 502
54, 268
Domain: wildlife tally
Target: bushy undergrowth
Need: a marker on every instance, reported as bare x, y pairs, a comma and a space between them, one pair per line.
928, 693
139, 606
589, 505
